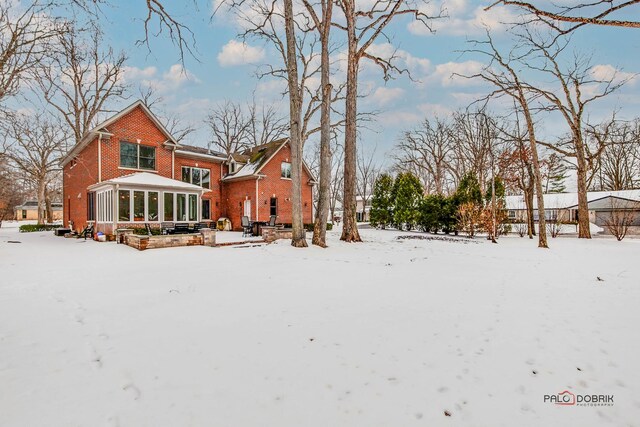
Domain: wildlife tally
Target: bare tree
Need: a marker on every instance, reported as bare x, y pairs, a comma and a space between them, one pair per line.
507, 82
24, 39
516, 168
570, 98
265, 124
427, 152
618, 166
35, 146
323, 24
473, 135
368, 171
79, 78
230, 127
12, 192
363, 27
595, 12
336, 185
173, 122
620, 216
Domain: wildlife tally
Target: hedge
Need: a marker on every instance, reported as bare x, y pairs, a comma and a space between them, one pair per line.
30, 228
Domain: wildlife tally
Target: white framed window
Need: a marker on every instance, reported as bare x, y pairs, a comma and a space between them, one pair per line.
285, 170
137, 156
196, 176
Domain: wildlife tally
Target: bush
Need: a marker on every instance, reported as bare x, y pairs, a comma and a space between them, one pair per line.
30, 228
309, 227
382, 202
407, 195
431, 213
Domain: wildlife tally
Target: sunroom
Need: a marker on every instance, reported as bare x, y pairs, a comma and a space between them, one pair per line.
143, 198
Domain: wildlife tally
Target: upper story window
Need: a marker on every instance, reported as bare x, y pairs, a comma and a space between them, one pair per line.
285, 169
136, 156
232, 167
197, 176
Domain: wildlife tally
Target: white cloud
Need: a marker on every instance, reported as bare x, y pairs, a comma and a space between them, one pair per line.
447, 74
462, 21
175, 77
385, 95
606, 72
239, 53
135, 73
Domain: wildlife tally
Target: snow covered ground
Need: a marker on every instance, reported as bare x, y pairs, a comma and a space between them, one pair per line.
385, 333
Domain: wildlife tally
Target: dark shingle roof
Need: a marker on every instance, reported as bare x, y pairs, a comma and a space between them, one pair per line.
201, 150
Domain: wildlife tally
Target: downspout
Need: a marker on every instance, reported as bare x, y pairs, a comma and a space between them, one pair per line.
173, 162
257, 204
99, 157
116, 199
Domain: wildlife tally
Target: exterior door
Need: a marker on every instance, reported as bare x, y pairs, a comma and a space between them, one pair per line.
247, 208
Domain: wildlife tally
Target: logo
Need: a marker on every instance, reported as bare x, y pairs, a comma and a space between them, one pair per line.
566, 398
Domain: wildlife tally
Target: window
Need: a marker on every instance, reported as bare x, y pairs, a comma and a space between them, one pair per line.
196, 176
512, 214
24, 214
274, 206
181, 208
138, 205
206, 178
186, 174
152, 206
206, 209
168, 206
193, 207
91, 206
124, 205
137, 156
285, 170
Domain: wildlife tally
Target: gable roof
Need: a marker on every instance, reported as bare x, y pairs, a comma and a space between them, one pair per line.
101, 128
146, 179
257, 158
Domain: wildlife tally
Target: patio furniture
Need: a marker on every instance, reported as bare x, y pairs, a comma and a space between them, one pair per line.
181, 228
246, 226
256, 227
272, 221
167, 227
87, 231
199, 226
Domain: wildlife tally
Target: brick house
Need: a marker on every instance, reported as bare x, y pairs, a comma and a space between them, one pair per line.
129, 171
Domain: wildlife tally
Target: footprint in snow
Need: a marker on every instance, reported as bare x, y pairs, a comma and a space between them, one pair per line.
133, 390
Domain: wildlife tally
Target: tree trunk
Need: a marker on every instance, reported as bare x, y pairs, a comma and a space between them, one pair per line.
528, 201
350, 227
42, 190
324, 188
584, 231
542, 226
295, 139
48, 208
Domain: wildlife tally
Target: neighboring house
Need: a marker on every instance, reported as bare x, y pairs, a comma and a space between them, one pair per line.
129, 170
28, 211
363, 210
563, 207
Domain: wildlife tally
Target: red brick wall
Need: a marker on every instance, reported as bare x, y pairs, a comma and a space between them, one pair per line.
215, 195
272, 184
134, 126
78, 174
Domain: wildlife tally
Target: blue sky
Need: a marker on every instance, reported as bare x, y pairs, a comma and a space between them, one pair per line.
225, 68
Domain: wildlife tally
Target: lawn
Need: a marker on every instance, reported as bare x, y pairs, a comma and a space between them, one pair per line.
390, 332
